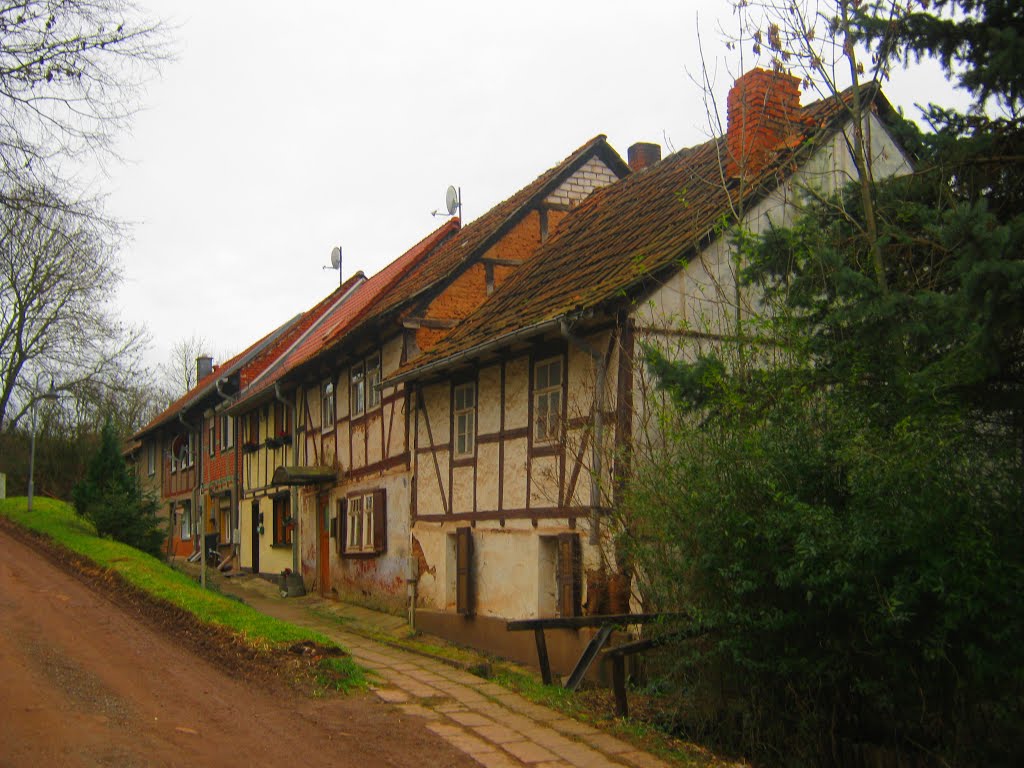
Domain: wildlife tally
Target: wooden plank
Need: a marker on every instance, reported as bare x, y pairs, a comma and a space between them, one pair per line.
542, 655
577, 622
619, 686
587, 657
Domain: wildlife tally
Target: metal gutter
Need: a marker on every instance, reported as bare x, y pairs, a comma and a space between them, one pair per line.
478, 349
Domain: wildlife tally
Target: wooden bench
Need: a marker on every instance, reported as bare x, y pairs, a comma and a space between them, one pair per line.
605, 624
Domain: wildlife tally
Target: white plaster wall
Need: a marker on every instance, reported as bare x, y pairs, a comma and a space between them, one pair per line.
462, 489
488, 471
517, 393
514, 484
489, 400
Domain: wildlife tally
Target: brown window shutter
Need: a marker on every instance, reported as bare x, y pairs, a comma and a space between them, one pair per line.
380, 522
570, 587
464, 572
342, 525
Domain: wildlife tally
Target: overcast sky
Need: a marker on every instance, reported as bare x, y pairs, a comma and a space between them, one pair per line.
284, 129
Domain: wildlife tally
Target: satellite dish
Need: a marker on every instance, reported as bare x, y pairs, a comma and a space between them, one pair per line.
451, 200
335, 257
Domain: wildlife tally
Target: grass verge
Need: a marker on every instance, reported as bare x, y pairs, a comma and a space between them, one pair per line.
58, 521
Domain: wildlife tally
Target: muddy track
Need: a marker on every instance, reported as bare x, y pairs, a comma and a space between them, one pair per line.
95, 672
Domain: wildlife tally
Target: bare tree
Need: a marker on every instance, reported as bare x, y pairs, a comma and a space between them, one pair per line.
178, 374
71, 72
58, 276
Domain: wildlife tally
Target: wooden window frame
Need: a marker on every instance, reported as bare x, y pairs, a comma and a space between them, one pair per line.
227, 431
252, 434
282, 426
364, 516
464, 421
372, 368
282, 530
552, 420
151, 459
357, 390
213, 435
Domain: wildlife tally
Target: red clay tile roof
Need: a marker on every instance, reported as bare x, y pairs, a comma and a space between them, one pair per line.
476, 237
620, 237
481, 233
252, 359
337, 320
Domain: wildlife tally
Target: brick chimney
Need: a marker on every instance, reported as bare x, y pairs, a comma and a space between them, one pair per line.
204, 367
642, 154
763, 107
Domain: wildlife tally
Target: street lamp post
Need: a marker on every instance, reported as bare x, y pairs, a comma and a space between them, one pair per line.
49, 395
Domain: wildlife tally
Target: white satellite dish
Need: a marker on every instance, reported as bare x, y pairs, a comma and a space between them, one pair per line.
451, 200
335, 257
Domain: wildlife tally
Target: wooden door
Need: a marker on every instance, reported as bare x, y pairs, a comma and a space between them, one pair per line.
324, 525
254, 535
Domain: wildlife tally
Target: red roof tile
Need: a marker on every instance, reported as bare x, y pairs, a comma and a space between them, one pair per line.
620, 237
340, 316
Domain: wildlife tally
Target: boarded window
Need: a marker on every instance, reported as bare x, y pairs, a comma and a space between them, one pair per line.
570, 568
464, 593
341, 529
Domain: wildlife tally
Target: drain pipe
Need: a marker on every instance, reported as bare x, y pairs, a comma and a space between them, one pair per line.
596, 445
198, 514
293, 494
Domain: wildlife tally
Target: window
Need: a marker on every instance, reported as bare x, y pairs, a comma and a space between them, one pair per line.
224, 518
227, 432
151, 459
547, 398
252, 436
364, 524
213, 436
190, 457
373, 381
186, 521
358, 401
327, 410
464, 414
282, 420
282, 521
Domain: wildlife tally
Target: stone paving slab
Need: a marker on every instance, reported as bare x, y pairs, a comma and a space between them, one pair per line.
496, 727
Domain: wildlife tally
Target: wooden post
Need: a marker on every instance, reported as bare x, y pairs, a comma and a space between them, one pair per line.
542, 655
619, 685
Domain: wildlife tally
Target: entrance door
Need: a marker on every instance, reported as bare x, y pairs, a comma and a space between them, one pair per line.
324, 526
254, 535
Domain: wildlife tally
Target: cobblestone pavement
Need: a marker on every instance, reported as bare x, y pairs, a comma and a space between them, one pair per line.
496, 727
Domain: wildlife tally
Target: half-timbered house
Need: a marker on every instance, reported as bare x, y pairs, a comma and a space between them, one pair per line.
348, 476
525, 413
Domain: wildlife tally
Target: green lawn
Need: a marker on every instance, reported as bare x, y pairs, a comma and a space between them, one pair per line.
58, 520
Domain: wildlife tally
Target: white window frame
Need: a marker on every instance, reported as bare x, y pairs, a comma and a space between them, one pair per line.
464, 418
373, 371
186, 522
359, 525
547, 399
227, 431
190, 458
213, 435
328, 410
357, 401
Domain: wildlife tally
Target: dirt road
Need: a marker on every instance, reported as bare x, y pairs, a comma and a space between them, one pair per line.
85, 682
